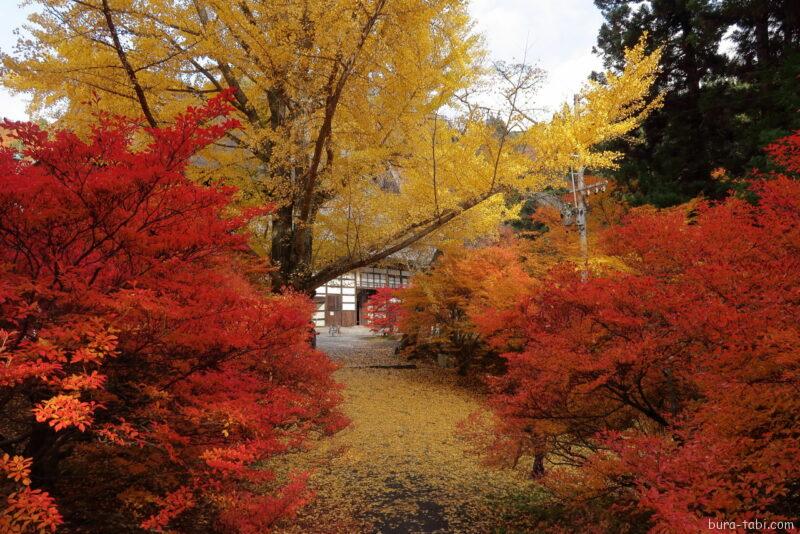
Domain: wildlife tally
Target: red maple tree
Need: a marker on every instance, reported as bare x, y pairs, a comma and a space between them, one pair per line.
383, 309
441, 307
144, 369
665, 395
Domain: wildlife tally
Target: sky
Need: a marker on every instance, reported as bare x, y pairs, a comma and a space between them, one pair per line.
557, 34
11, 106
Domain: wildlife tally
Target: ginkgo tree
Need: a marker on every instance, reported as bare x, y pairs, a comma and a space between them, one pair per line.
355, 116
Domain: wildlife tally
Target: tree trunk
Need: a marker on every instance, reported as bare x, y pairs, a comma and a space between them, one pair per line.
761, 28
290, 251
689, 49
281, 246
537, 470
43, 449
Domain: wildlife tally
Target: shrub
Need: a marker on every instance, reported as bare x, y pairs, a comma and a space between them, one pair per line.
144, 372
383, 311
668, 388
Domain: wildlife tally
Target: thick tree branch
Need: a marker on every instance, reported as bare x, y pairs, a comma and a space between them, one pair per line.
401, 240
331, 103
129, 70
242, 102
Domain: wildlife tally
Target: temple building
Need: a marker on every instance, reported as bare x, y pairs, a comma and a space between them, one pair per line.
343, 300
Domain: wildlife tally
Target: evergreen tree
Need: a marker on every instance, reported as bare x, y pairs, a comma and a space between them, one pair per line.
729, 74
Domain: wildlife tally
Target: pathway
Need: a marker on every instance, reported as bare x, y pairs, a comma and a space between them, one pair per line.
399, 468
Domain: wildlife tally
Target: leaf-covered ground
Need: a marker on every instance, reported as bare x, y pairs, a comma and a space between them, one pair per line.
400, 467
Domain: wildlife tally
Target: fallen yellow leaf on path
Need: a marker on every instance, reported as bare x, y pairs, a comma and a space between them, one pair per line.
399, 468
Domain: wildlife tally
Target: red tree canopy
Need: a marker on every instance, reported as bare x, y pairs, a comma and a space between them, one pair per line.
140, 359
383, 308
441, 307
668, 389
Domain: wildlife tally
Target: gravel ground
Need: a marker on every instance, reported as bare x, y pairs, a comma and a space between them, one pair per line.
357, 346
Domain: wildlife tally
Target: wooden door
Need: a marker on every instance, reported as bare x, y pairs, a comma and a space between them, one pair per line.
333, 310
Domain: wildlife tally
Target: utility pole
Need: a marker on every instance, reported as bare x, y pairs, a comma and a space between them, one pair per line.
580, 193
579, 211
581, 208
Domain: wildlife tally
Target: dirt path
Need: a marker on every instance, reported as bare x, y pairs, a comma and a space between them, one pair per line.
399, 468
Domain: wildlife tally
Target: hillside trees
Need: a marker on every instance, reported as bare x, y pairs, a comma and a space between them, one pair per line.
144, 374
666, 391
342, 107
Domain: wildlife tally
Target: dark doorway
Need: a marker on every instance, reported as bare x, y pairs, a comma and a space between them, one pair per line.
362, 296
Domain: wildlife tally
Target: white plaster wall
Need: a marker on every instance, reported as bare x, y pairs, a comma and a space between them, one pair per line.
345, 286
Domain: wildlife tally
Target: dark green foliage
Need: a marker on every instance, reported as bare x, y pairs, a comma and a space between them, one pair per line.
524, 224
730, 77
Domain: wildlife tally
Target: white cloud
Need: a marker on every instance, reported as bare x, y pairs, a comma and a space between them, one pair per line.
12, 106
559, 35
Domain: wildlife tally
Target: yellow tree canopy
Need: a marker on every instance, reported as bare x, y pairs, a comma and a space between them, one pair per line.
356, 117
